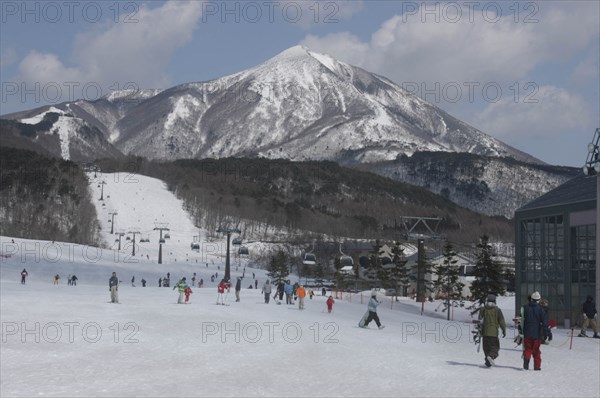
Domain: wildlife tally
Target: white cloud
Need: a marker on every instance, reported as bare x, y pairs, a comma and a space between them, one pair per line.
556, 112
406, 49
119, 53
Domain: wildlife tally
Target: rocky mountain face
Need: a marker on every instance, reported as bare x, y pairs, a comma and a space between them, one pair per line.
299, 105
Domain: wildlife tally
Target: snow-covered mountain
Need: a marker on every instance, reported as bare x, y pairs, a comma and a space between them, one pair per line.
299, 105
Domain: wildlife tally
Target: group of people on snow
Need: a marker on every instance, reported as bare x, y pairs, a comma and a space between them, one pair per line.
533, 326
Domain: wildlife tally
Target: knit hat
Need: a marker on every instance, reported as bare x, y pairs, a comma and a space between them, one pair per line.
491, 298
536, 296
373, 293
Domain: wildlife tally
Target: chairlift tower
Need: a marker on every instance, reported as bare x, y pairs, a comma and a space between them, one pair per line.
112, 215
133, 241
228, 231
410, 223
160, 227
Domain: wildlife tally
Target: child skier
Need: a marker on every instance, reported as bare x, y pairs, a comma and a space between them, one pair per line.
221, 289
330, 303
187, 291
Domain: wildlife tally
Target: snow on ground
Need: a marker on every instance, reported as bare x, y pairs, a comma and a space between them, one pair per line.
69, 341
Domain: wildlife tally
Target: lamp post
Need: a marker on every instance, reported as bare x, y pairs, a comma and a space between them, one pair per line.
228, 231
592, 167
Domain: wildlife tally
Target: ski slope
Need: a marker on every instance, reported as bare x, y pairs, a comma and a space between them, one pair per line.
65, 341
69, 341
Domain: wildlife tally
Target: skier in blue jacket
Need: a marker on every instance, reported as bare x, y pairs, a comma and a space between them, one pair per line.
372, 306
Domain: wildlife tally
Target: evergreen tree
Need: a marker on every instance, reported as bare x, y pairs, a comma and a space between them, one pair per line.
278, 266
397, 273
375, 265
448, 282
488, 273
509, 278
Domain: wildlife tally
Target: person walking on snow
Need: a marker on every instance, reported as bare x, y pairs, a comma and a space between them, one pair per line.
221, 289
492, 319
266, 290
590, 317
238, 287
194, 279
311, 293
56, 279
330, 303
372, 306
113, 286
301, 292
73, 280
535, 323
187, 291
132, 281
181, 286
289, 290
24, 275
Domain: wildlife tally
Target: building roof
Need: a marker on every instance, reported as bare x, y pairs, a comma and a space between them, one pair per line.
579, 189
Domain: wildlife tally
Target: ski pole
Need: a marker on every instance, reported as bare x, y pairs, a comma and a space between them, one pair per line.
571, 346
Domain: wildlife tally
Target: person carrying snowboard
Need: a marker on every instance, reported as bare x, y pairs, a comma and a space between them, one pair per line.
492, 319
330, 303
534, 323
113, 287
372, 312
187, 291
181, 286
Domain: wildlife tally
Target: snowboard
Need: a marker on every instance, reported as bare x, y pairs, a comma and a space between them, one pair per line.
363, 320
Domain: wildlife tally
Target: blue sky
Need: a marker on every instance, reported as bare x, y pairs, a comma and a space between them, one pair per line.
526, 72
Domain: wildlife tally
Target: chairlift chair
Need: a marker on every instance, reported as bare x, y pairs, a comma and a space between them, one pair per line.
161, 241
309, 259
236, 241
243, 250
167, 236
345, 261
195, 246
128, 238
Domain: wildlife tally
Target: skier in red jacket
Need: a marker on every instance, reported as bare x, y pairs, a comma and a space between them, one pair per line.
221, 289
330, 302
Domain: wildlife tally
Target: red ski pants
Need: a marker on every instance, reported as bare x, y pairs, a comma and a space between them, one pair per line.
531, 347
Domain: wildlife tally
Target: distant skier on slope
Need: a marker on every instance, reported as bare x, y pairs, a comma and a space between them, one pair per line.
187, 291
24, 275
330, 302
371, 313
493, 319
113, 287
266, 290
238, 287
301, 295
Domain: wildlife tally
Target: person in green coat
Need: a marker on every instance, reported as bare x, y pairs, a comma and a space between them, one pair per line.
181, 286
492, 319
